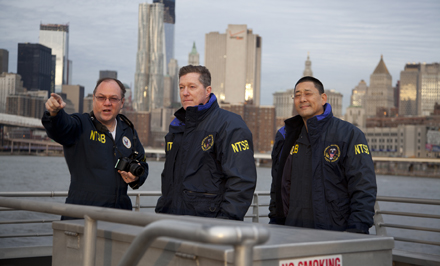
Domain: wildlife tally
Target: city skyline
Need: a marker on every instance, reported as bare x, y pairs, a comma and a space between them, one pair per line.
345, 39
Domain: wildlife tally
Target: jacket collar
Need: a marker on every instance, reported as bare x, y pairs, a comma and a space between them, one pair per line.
195, 113
314, 124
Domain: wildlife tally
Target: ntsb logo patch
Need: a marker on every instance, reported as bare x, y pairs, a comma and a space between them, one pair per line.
207, 142
294, 149
126, 142
332, 153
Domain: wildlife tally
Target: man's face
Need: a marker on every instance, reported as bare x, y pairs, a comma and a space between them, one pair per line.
192, 92
107, 102
308, 101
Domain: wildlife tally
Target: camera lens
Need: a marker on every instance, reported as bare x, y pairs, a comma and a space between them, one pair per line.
136, 169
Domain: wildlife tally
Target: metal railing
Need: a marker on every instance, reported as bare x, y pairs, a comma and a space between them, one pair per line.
242, 237
261, 200
381, 226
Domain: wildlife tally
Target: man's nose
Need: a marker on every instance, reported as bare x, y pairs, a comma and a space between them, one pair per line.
185, 91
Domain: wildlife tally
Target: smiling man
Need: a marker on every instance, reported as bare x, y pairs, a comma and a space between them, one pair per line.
209, 169
322, 171
94, 143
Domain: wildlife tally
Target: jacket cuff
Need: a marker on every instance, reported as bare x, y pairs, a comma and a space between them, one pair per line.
134, 184
360, 228
277, 220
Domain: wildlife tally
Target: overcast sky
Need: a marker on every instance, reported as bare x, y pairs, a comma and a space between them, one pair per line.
345, 38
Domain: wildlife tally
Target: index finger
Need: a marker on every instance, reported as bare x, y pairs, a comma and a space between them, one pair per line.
55, 96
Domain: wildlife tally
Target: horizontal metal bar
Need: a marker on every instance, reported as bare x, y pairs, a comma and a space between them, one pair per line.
409, 200
28, 221
417, 241
34, 194
411, 214
26, 235
65, 193
410, 227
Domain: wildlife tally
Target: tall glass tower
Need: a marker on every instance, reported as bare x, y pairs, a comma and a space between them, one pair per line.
150, 67
56, 37
169, 19
34, 64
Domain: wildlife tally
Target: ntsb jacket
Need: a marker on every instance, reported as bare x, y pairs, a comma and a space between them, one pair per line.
209, 169
91, 155
344, 182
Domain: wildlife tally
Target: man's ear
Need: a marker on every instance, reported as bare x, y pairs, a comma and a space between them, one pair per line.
324, 98
208, 90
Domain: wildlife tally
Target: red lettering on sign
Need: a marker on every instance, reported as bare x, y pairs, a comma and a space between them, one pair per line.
331, 262
321, 262
338, 262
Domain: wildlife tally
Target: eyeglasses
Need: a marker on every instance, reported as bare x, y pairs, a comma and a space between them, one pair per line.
103, 99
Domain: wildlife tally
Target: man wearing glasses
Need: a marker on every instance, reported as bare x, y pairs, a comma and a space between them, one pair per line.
322, 171
102, 149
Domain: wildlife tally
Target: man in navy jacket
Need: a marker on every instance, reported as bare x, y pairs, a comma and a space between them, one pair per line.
93, 143
322, 173
209, 169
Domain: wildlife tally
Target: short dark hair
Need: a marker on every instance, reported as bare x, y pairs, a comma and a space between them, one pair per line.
115, 80
205, 75
316, 82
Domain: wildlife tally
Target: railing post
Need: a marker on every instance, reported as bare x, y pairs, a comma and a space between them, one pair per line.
378, 221
256, 209
243, 255
138, 202
90, 230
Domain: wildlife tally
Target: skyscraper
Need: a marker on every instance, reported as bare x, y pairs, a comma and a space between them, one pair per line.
149, 76
169, 19
108, 74
4, 60
283, 102
409, 84
234, 60
75, 93
429, 88
193, 56
380, 94
334, 98
358, 94
34, 64
419, 89
308, 67
10, 83
56, 37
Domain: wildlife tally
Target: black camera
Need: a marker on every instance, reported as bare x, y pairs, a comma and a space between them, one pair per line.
129, 165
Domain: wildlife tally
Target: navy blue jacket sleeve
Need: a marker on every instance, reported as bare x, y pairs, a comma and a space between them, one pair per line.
62, 128
276, 153
362, 188
239, 168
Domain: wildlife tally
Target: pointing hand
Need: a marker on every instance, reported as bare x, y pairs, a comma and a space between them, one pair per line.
54, 104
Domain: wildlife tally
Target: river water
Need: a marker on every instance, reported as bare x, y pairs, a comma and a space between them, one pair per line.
39, 173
